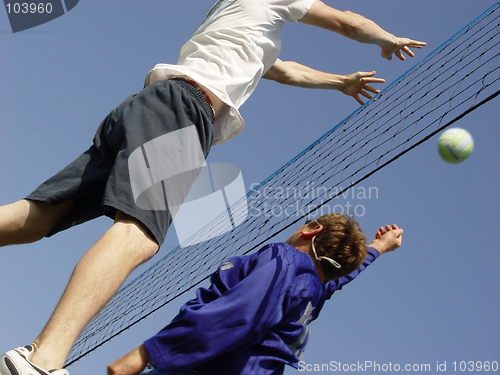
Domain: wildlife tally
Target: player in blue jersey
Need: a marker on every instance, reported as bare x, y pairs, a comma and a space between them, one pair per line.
253, 318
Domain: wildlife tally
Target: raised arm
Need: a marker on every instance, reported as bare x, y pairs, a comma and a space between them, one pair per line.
360, 29
295, 74
387, 238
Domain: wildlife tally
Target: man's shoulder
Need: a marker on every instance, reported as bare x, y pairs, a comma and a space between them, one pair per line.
265, 254
281, 249
277, 247
290, 256
280, 254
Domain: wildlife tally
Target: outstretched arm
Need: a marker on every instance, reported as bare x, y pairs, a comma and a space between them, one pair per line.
295, 74
358, 28
387, 238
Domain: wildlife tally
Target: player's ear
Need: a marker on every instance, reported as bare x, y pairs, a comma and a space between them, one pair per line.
310, 232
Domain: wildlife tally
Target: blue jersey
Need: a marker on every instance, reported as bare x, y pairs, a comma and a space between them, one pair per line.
252, 319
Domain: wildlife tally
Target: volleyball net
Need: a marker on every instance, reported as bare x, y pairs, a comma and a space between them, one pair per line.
454, 80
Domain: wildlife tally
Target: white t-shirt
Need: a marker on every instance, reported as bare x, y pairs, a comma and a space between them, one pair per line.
234, 46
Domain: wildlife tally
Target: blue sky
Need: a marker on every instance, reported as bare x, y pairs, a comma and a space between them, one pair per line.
434, 300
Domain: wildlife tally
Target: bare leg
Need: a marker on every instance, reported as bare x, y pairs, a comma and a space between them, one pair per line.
96, 278
29, 221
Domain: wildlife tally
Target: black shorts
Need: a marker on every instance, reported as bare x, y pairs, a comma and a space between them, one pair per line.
132, 165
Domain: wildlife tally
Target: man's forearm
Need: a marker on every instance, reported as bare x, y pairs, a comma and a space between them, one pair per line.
360, 29
367, 31
131, 363
295, 74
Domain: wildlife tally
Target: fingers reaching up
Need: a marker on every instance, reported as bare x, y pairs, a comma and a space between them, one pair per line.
400, 47
360, 84
388, 238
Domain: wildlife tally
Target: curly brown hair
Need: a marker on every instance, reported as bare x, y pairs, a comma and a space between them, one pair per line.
341, 240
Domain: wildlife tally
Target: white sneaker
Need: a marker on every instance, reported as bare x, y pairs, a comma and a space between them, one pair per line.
16, 362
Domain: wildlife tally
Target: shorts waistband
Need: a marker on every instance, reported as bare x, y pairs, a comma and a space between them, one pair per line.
195, 89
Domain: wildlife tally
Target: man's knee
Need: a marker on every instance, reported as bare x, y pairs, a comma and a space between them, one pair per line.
150, 249
138, 235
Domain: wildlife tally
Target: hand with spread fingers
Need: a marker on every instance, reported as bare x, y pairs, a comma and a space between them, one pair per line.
357, 84
388, 238
400, 46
